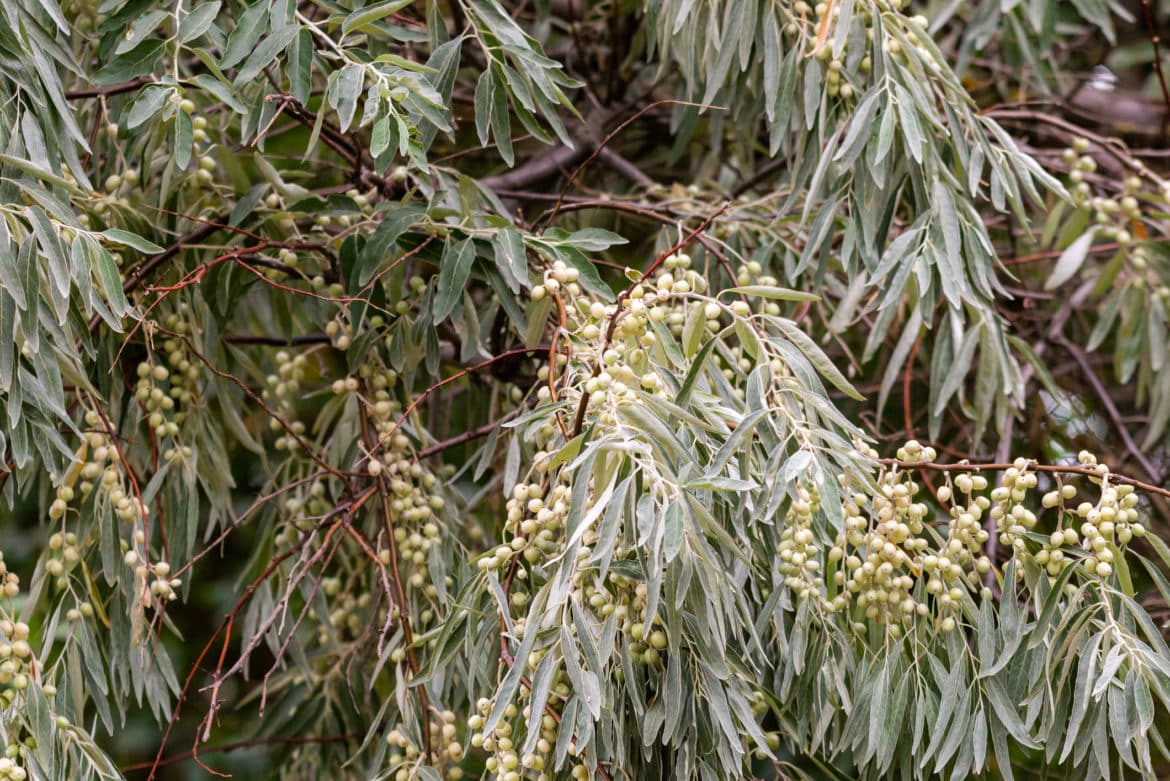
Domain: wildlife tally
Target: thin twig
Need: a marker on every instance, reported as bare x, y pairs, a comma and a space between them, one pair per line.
609, 137
1155, 40
109, 89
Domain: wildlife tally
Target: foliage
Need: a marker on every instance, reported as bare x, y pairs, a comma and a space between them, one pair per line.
485, 476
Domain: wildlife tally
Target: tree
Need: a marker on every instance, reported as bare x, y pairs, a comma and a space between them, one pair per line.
625, 390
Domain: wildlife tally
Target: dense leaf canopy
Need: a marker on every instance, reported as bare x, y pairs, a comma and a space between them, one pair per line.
688, 389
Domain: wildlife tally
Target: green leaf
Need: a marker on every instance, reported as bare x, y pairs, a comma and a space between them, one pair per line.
1144, 702
951, 257
911, 130
265, 53
567, 453
501, 118
673, 525
1048, 609
148, 103
346, 86
1008, 712
129, 239
380, 136
7, 346
594, 239
511, 259
363, 17
879, 727
860, 129
139, 61
1070, 260
698, 366
198, 21
1160, 547
41, 173
541, 686
245, 34
817, 358
183, 140
111, 282
143, 26
485, 89
382, 244
220, 91
453, 273
511, 681
720, 484
771, 292
300, 66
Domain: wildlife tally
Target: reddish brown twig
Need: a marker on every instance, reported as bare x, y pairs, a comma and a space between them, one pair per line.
1053, 255
109, 89
1155, 41
447, 380
226, 625
466, 436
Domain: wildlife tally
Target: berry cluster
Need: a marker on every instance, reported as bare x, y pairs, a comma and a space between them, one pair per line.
283, 387
536, 515
16, 660
799, 555
63, 554
347, 611
882, 552
9, 767
306, 502
17, 671
102, 467
85, 15
9, 581
446, 749
1117, 219
895, 563
165, 392
507, 759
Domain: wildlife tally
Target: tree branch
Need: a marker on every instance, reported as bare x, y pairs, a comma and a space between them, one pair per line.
110, 89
